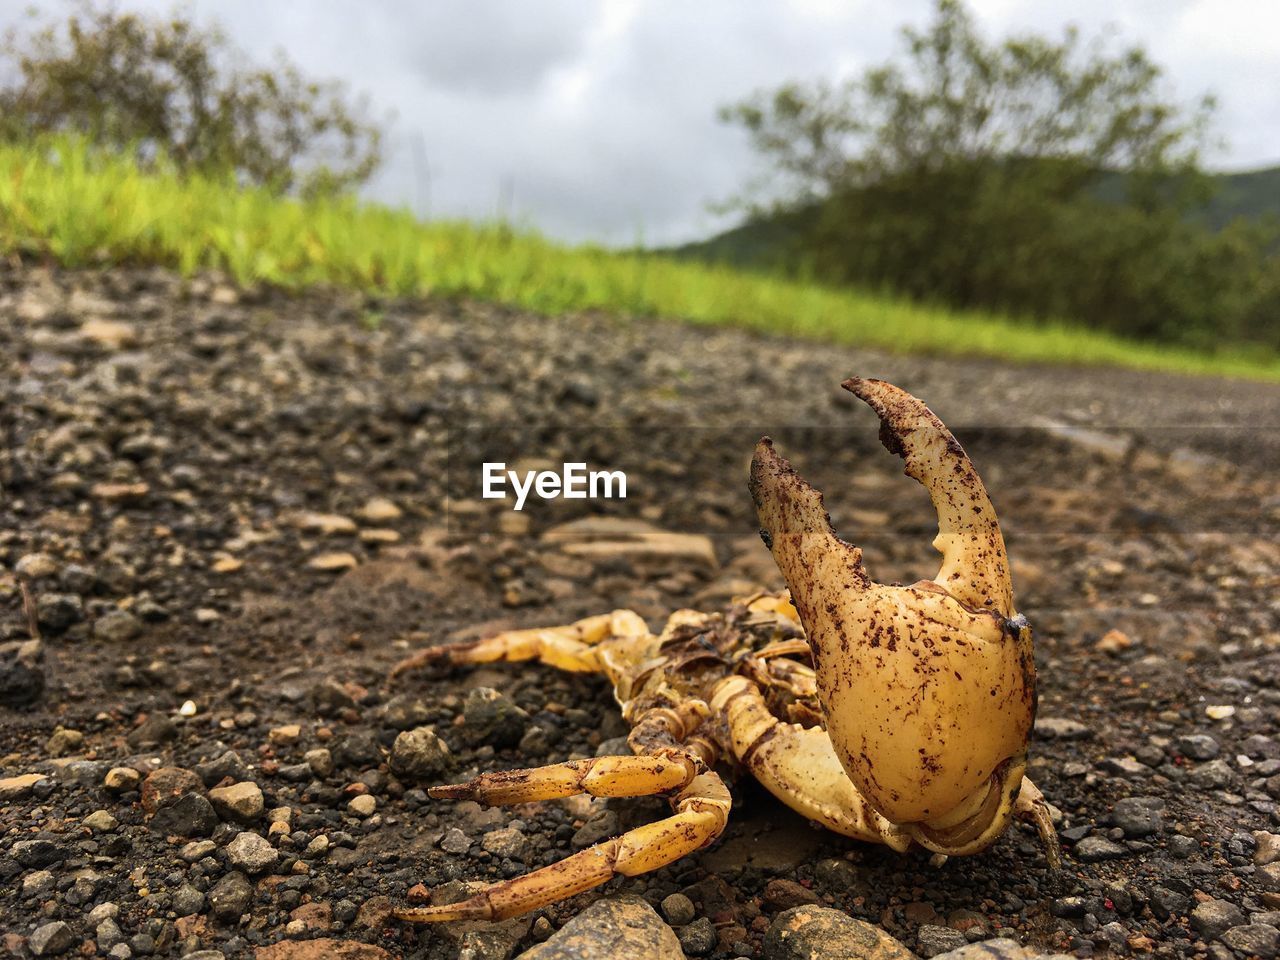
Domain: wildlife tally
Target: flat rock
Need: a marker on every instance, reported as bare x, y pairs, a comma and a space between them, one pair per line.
620, 928
1000, 948
820, 933
241, 802
15, 788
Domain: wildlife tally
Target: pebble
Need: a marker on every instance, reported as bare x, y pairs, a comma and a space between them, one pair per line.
455, 841
165, 785
100, 821
620, 928
320, 761
935, 940
363, 805
117, 626
191, 815
1061, 728
252, 853
1266, 848
507, 842
1254, 940
21, 672
1139, 816
56, 612
16, 788
810, 932
488, 716
241, 802
678, 909
36, 566
698, 939
419, 754
1093, 849
187, 900
230, 897
51, 939
333, 562
1214, 917
1197, 746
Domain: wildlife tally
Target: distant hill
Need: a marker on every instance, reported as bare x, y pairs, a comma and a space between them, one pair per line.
765, 243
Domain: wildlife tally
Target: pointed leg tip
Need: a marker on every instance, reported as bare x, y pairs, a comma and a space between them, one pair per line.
472, 909
450, 791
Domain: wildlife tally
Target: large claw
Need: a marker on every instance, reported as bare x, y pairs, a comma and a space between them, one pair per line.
929, 689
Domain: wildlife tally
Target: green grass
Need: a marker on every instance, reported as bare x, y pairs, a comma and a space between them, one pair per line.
77, 208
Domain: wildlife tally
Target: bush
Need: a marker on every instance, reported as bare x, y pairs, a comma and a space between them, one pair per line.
150, 85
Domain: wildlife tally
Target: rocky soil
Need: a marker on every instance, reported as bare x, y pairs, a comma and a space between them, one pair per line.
234, 511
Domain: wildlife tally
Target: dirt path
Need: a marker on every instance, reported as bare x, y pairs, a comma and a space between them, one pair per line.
241, 502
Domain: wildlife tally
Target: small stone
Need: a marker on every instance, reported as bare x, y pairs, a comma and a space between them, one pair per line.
165, 785
1113, 641
363, 805
783, 894
227, 764
117, 626
1094, 849
37, 884
455, 841
187, 900
289, 733
325, 948
599, 826
122, 779
197, 850
333, 562
698, 938
226, 564
155, 731
1181, 847
488, 716
1254, 940
1197, 746
188, 709
619, 927
108, 334
51, 939
678, 909
36, 566
419, 754
1139, 816
100, 821
1266, 848
508, 843
1213, 775
1214, 917
935, 940
57, 611
809, 932
191, 815
1220, 711
119, 492
36, 853
320, 760
21, 672
329, 524
252, 853
1060, 728
230, 897
63, 741
380, 510
241, 802
15, 788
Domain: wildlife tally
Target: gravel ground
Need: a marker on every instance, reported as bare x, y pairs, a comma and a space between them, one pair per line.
237, 510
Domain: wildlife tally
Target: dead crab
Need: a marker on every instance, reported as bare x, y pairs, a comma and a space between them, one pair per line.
894, 715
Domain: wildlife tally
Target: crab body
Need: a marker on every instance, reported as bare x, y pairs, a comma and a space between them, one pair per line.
893, 715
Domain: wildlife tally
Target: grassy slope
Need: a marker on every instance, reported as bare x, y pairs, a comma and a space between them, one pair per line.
79, 209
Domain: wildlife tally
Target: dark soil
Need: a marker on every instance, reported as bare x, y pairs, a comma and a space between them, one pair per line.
155, 484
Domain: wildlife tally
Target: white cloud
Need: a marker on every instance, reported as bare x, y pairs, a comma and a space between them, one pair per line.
601, 116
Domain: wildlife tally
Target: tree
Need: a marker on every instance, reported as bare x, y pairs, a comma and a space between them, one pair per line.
126, 81
977, 173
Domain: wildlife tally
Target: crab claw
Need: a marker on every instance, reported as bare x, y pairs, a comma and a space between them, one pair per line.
928, 689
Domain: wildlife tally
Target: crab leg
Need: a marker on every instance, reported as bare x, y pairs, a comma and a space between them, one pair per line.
701, 811
567, 648
620, 776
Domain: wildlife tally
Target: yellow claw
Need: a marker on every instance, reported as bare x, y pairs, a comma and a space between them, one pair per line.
928, 689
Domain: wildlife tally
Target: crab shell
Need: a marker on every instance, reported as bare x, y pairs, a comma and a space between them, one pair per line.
928, 689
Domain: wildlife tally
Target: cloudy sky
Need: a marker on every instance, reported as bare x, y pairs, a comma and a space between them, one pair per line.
597, 119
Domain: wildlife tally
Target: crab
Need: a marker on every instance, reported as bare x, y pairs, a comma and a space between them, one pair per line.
896, 715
